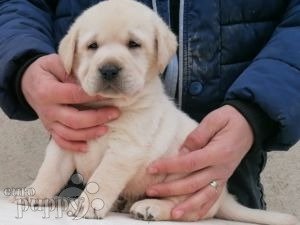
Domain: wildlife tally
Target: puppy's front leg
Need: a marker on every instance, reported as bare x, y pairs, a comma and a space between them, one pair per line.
108, 181
54, 173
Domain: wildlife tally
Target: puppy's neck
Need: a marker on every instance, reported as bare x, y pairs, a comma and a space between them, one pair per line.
152, 94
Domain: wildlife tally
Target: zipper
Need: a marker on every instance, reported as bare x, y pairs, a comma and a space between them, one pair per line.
171, 77
169, 19
154, 5
180, 66
171, 74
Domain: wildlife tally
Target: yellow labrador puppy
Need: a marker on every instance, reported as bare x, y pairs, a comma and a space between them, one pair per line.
117, 49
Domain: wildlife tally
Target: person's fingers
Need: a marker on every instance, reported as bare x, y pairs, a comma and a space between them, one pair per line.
76, 119
190, 162
76, 146
198, 203
186, 185
78, 135
205, 131
53, 64
66, 93
59, 87
205, 209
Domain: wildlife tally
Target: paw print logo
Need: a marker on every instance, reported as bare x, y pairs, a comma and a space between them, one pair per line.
82, 203
74, 187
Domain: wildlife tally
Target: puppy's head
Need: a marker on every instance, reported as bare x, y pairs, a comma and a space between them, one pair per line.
115, 47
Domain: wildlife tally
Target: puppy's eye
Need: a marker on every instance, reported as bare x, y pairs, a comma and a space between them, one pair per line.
93, 46
132, 44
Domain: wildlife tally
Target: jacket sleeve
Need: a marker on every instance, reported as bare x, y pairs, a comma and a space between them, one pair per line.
272, 81
26, 31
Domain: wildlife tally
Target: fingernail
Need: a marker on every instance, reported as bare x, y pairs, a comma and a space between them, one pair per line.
152, 170
184, 150
84, 149
152, 192
113, 115
102, 131
177, 214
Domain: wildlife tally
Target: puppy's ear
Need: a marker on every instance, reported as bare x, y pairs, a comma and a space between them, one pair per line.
67, 49
166, 44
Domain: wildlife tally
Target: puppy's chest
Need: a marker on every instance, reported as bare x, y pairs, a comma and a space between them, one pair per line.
124, 130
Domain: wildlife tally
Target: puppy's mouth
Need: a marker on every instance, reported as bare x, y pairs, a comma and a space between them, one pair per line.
111, 91
118, 88
110, 86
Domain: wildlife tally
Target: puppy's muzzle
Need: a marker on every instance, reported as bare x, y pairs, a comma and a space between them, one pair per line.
109, 72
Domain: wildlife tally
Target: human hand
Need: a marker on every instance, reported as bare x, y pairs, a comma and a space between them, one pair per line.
210, 153
50, 92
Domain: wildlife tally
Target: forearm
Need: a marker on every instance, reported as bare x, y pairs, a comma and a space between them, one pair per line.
18, 88
272, 81
263, 127
22, 38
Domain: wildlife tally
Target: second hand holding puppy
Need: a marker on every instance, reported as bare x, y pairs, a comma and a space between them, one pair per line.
210, 153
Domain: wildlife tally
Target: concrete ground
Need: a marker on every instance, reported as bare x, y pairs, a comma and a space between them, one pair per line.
23, 144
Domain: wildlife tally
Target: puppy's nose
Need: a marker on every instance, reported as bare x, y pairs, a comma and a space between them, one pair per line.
109, 71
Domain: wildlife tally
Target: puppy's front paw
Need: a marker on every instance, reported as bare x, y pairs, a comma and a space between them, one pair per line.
87, 207
121, 205
151, 210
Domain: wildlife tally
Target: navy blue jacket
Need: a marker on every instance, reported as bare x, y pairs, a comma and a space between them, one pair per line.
245, 50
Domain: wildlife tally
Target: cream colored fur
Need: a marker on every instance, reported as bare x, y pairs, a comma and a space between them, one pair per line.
149, 127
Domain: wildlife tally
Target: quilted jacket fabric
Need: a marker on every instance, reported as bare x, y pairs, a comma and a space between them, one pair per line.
229, 49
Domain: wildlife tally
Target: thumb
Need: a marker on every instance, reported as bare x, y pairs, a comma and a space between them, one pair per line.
206, 130
53, 64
